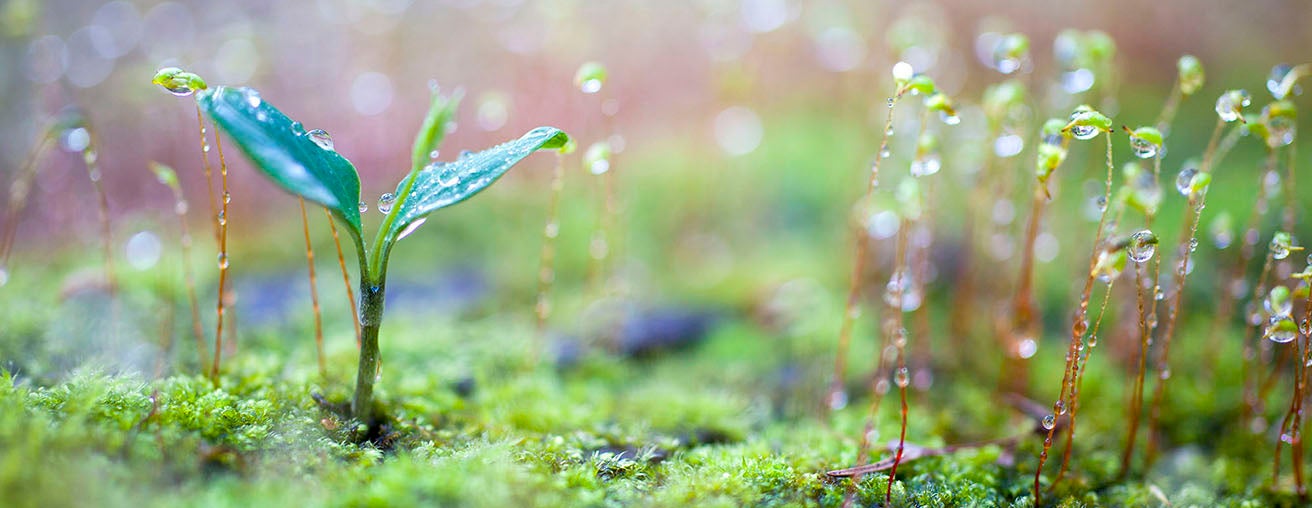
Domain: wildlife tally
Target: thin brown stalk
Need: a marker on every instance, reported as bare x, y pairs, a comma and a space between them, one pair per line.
222, 222
209, 173
547, 258
18, 194
1073, 398
346, 277
314, 292
899, 342
1136, 392
837, 397
1252, 401
1079, 324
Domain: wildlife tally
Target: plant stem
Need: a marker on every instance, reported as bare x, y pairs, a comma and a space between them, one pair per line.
546, 260
18, 193
837, 398
314, 292
346, 276
1080, 324
209, 174
1136, 391
1077, 373
222, 222
899, 334
371, 317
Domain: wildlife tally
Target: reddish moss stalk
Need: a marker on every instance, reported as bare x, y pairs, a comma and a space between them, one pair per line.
222, 221
1079, 325
18, 194
346, 277
314, 292
837, 397
547, 258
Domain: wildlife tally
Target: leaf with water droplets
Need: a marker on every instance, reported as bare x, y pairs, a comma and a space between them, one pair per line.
443, 184
299, 162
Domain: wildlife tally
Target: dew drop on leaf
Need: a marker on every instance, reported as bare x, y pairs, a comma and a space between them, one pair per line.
321, 138
385, 202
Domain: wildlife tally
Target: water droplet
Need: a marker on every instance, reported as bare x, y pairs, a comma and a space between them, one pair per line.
1093, 341
926, 165
1100, 203
364, 207
837, 400
888, 131
1193, 244
590, 85
76, 140
222, 218
1008, 145
902, 378
385, 202
1185, 180
410, 228
1060, 406
902, 71
1049, 422
227, 197
1142, 246
143, 250
1083, 132
252, 97
1027, 348
433, 154
1276, 79
321, 138
1077, 81
1282, 330
223, 261
949, 118
180, 208
298, 129
552, 229
891, 103
599, 166
885, 153
1143, 148
1231, 103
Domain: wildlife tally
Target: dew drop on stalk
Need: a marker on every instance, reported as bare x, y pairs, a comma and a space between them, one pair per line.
1231, 103
227, 197
926, 165
1049, 422
321, 138
75, 140
902, 378
1276, 79
885, 153
363, 207
1184, 181
551, 230
1142, 246
223, 261
385, 202
180, 208
949, 118
1060, 406
222, 218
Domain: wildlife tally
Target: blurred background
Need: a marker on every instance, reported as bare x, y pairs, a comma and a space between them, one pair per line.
742, 129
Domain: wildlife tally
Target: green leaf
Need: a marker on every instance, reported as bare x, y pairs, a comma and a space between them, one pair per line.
443, 184
440, 114
302, 163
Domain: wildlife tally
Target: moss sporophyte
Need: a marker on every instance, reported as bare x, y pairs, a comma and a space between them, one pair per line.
305, 163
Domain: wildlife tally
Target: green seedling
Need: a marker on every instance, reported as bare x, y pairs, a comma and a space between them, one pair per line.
304, 163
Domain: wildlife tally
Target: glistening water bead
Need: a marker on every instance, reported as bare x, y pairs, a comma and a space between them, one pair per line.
385, 202
321, 138
1143, 148
1142, 246
1185, 180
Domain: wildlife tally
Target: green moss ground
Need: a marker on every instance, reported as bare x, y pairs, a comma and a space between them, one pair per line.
90, 416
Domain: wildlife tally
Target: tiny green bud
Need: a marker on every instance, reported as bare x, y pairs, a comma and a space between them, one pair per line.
568, 147
921, 84
179, 82
1200, 182
1054, 132
597, 158
1086, 122
1111, 262
1145, 141
590, 77
1049, 157
1003, 98
1100, 46
164, 174
1191, 74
